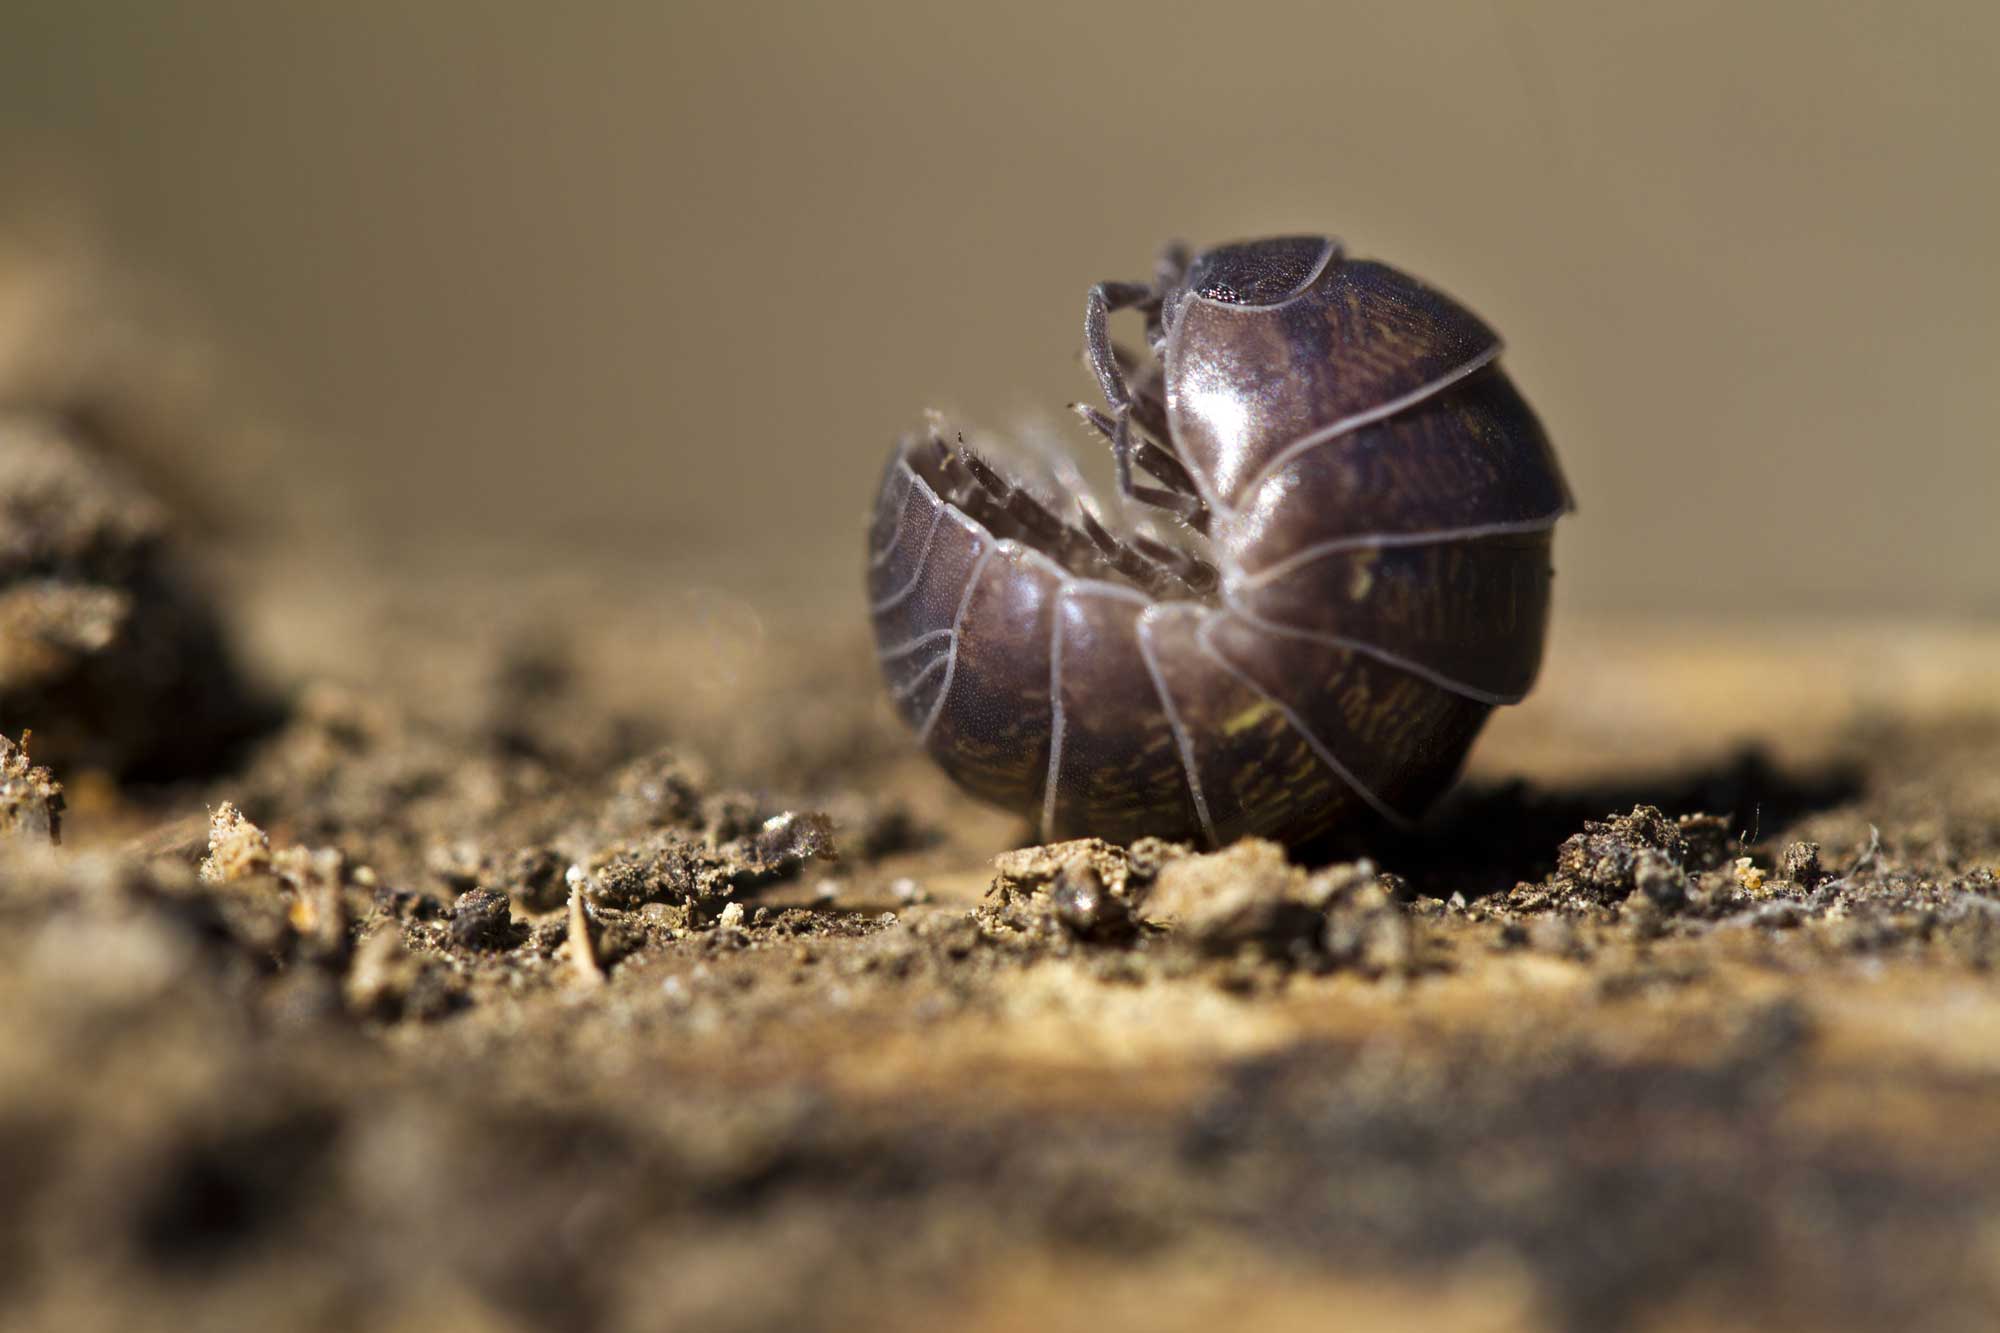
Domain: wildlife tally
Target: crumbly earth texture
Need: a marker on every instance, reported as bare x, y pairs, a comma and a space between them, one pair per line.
615, 961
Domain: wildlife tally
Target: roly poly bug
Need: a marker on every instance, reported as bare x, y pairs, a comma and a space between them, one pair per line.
1356, 572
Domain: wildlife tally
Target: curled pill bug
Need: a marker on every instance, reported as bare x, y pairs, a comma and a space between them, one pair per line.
1329, 563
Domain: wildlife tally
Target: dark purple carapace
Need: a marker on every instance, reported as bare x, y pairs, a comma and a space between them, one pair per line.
1351, 567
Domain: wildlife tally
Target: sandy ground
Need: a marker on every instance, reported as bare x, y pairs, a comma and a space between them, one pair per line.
573, 953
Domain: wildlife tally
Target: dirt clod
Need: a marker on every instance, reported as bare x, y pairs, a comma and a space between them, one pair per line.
783, 843
537, 875
1800, 864
237, 848
481, 919
1644, 852
31, 800
108, 648
1367, 930
1246, 895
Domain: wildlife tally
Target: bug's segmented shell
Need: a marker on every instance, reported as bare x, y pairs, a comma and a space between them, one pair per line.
1380, 501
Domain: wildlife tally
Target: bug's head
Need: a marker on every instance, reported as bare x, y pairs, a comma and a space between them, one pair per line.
1259, 273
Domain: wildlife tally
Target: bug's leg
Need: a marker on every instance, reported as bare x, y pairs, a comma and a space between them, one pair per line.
1145, 402
1129, 447
1145, 390
1104, 298
1156, 462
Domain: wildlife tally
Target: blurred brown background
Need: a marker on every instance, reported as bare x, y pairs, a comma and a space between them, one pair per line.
654, 285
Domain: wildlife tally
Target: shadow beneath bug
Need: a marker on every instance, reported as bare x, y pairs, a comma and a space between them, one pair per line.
1487, 837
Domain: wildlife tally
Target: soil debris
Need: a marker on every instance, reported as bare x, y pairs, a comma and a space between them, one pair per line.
782, 844
543, 1002
481, 919
1085, 906
388, 982
108, 649
1124, 871
237, 848
1245, 896
1643, 851
1244, 903
1800, 864
1085, 890
318, 880
31, 800
582, 943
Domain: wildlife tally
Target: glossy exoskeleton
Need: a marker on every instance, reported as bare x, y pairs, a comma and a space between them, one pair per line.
1351, 569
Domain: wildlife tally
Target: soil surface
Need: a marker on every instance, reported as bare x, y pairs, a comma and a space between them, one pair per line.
543, 952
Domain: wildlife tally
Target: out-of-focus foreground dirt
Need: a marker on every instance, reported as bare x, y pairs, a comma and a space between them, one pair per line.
532, 951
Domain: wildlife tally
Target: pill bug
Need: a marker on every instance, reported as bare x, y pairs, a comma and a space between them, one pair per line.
1345, 568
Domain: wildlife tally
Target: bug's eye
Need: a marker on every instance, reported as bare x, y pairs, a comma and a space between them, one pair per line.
1258, 272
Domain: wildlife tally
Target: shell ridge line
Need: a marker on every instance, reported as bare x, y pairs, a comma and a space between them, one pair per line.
1347, 425
1010, 547
1377, 541
1318, 747
909, 646
951, 661
1173, 716
895, 599
1380, 654
1054, 775
917, 479
881, 557
1101, 588
916, 682
1204, 485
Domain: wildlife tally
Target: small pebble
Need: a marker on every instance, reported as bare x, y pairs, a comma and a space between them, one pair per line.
481, 919
1085, 907
1801, 864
